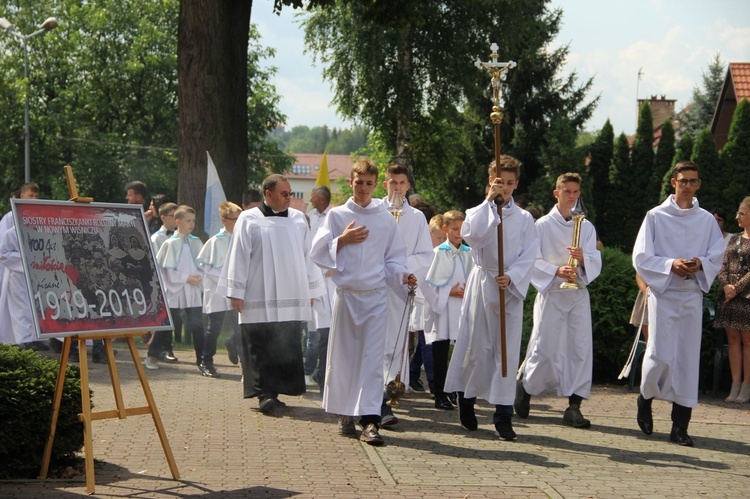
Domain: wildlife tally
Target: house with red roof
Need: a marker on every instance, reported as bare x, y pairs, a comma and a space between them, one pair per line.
304, 172
736, 87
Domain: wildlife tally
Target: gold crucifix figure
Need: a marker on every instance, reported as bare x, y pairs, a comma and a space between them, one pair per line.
497, 69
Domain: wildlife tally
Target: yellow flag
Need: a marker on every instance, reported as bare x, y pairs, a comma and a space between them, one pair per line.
323, 171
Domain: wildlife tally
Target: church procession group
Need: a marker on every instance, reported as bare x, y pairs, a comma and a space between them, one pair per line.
364, 275
352, 272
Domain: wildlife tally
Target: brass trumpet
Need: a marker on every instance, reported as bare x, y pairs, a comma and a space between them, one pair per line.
578, 214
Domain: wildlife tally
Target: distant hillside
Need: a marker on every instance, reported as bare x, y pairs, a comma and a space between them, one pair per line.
303, 139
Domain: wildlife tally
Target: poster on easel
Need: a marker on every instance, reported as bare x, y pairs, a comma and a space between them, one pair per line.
90, 268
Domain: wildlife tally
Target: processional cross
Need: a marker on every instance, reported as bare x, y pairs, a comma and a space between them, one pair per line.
498, 71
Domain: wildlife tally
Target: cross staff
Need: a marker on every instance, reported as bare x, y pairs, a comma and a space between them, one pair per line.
497, 70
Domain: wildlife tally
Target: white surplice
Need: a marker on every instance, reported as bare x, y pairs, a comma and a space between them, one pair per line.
16, 319
268, 267
412, 225
362, 272
450, 266
158, 238
177, 259
560, 354
321, 307
210, 261
675, 304
475, 367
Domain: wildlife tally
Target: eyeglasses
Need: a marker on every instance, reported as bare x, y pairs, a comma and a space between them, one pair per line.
692, 181
285, 194
740, 214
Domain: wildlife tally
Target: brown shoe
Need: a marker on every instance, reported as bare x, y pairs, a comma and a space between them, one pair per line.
370, 435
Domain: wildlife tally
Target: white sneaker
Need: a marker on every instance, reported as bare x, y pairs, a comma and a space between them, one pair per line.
152, 363
309, 381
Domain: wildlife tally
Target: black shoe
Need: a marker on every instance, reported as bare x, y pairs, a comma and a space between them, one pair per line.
680, 437
346, 426
574, 418
416, 385
645, 416
54, 345
467, 416
98, 358
522, 403
442, 402
389, 420
453, 398
232, 351
208, 370
370, 435
278, 403
39, 346
504, 430
266, 405
168, 357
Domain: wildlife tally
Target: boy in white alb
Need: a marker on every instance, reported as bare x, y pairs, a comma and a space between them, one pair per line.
166, 214
177, 258
211, 260
446, 281
678, 252
415, 233
560, 353
362, 267
476, 365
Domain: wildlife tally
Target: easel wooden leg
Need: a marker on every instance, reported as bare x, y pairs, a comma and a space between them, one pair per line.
88, 445
152, 407
56, 407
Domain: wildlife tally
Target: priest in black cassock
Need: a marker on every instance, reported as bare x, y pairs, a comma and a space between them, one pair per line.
270, 281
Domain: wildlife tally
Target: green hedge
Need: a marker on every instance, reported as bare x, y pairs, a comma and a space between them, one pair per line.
27, 387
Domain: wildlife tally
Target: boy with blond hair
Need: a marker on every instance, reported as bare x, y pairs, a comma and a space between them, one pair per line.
177, 258
211, 260
476, 369
362, 267
446, 281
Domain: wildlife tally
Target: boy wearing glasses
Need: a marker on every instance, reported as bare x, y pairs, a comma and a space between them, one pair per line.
270, 280
678, 252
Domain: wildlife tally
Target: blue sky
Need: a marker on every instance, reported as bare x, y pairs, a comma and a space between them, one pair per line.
672, 40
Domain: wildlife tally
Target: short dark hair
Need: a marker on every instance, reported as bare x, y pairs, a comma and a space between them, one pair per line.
269, 184
138, 188
29, 186
251, 196
397, 169
323, 191
685, 166
158, 200
426, 208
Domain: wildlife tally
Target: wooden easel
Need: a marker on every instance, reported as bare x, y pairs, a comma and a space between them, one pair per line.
121, 411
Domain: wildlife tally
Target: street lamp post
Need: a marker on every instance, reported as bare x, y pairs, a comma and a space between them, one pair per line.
48, 25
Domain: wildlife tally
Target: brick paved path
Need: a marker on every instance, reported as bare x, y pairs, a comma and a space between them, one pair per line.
225, 448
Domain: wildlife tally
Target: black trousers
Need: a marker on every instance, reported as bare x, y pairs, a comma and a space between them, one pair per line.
272, 360
193, 325
440, 365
